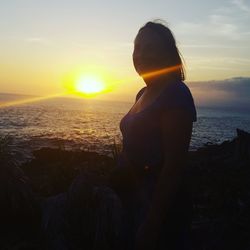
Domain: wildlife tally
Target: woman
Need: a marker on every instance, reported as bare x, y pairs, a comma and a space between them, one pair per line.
156, 135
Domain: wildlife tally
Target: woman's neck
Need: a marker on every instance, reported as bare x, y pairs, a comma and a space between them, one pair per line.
158, 82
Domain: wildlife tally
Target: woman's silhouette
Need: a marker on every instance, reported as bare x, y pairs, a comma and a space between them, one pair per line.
151, 175
156, 135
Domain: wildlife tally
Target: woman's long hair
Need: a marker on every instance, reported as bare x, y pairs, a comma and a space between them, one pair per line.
173, 55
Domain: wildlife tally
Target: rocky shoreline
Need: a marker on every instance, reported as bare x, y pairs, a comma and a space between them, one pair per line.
218, 174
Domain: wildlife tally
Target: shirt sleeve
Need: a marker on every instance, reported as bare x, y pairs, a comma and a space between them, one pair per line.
179, 97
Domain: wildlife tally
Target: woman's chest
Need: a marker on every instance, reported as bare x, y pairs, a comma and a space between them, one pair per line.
145, 101
146, 123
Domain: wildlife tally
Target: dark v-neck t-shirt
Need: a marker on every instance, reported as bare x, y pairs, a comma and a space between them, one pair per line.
142, 139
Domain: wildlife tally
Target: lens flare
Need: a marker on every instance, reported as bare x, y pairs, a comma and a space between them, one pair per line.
89, 85
30, 100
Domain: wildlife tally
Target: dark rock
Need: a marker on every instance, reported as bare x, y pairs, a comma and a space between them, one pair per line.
242, 145
86, 217
78, 206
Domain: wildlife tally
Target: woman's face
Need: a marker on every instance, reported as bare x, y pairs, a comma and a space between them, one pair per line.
149, 52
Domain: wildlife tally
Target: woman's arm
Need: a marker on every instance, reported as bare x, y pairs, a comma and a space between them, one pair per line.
176, 126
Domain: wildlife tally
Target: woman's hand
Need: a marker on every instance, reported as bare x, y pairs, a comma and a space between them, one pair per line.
146, 237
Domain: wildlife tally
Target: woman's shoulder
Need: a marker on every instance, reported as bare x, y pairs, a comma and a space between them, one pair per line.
177, 88
178, 96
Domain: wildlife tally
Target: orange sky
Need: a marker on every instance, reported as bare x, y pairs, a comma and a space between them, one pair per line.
42, 43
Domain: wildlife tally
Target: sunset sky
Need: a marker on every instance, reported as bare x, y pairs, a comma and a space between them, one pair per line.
44, 42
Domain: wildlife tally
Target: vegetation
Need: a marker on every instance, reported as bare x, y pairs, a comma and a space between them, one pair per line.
6, 158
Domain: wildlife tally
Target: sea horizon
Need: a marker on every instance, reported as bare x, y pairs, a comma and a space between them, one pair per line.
93, 125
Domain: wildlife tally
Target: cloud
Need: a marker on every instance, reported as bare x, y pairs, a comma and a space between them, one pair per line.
226, 23
37, 40
210, 46
241, 4
216, 25
222, 25
234, 92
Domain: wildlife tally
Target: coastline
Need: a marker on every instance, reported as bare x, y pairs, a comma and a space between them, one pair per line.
218, 175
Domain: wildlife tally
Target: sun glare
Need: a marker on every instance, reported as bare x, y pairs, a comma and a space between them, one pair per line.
89, 81
89, 85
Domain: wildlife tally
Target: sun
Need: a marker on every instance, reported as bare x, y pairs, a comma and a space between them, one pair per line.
89, 81
89, 85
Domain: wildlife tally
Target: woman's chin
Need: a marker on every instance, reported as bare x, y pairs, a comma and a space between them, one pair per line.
144, 71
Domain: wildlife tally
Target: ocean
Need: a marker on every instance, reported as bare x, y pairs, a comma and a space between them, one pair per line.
88, 124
